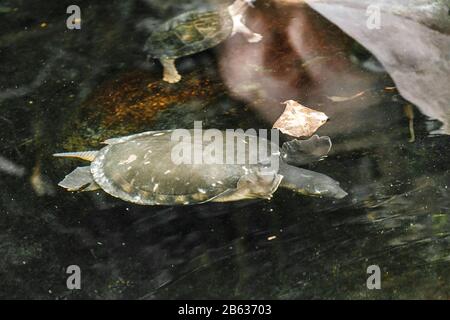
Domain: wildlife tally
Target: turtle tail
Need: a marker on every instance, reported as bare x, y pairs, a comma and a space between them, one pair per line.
84, 155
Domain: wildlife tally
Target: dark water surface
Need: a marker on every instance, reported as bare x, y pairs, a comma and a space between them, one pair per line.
63, 90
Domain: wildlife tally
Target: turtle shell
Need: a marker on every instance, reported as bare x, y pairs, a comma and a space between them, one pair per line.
189, 33
140, 169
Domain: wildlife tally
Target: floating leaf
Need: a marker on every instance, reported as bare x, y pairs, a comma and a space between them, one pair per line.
299, 121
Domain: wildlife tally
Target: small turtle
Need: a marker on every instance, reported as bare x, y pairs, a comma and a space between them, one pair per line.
140, 169
195, 31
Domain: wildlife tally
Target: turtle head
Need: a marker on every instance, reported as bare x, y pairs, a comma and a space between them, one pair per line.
311, 183
250, 3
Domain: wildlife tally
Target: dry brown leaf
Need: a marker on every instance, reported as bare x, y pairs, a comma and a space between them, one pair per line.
299, 121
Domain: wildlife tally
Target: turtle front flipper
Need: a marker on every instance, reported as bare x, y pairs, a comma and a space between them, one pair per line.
310, 183
301, 152
252, 37
252, 186
237, 10
171, 74
79, 180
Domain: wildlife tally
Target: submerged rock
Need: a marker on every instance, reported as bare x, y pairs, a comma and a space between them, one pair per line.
134, 103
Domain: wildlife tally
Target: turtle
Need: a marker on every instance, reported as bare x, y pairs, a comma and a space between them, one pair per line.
141, 169
195, 31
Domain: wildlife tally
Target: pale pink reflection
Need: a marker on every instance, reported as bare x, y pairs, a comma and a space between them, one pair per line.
301, 57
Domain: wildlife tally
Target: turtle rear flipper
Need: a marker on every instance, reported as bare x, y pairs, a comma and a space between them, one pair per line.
301, 152
79, 180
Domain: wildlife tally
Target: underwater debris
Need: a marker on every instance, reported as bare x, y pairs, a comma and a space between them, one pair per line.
10, 168
40, 183
344, 99
409, 112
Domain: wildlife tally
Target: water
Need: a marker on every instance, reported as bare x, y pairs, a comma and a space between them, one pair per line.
68, 90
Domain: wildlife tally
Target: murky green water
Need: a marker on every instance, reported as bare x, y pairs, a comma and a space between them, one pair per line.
67, 90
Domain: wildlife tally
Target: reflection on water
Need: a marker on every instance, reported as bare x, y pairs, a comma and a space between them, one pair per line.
80, 88
413, 44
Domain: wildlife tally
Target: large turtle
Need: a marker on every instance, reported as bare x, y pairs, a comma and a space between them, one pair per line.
141, 169
195, 31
